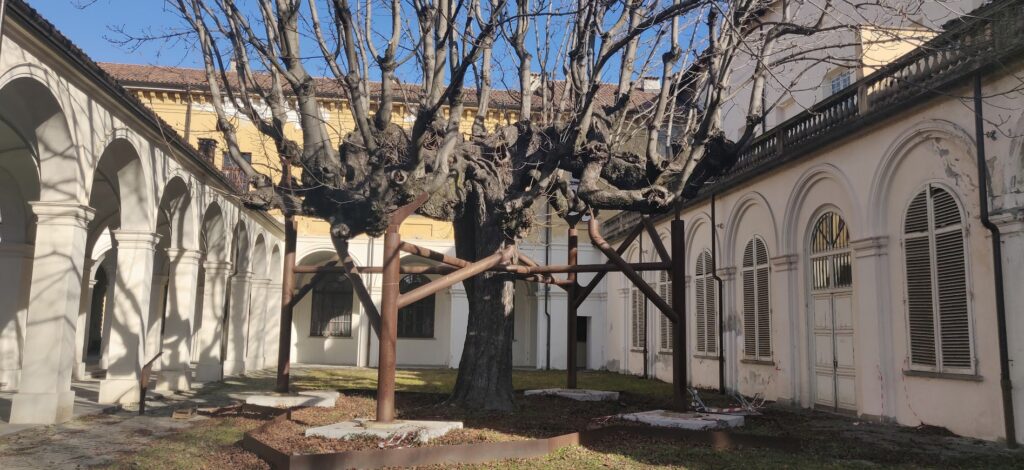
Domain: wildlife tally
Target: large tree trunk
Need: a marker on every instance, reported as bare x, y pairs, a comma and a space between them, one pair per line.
485, 370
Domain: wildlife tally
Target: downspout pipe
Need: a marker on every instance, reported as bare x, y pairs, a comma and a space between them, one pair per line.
647, 328
547, 289
718, 301
997, 267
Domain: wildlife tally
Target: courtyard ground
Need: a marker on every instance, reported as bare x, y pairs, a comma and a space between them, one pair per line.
125, 440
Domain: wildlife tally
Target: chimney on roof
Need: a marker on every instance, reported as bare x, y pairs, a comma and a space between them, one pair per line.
650, 84
535, 80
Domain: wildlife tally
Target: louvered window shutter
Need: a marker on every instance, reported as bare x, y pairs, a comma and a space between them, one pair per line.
700, 307
711, 304
764, 313
936, 277
636, 314
664, 324
749, 302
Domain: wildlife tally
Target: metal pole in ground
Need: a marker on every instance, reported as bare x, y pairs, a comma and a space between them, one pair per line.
679, 306
284, 345
388, 325
572, 309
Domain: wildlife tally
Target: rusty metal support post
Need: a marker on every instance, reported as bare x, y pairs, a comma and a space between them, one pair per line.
571, 306
284, 345
388, 326
679, 305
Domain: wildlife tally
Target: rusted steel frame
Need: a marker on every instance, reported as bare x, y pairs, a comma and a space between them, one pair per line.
584, 268
433, 255
564, 284
543, 278
656, 241
386, 354
284, 345
628, 271
334, 268
359, 287
571, 313
679, 361
586, 290
436, 285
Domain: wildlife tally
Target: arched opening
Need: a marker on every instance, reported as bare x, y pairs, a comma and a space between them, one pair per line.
327, 322
831, 289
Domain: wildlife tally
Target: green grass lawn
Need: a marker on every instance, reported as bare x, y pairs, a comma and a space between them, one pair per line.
826, 441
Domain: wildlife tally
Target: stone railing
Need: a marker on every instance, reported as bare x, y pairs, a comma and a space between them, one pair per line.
984, 39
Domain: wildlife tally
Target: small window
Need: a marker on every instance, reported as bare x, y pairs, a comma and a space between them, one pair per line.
207, 148
416, 320
936, 277
831, 266
639, 320
840, 81
332, 308
667, 333
707, 305
229, 163
757, 324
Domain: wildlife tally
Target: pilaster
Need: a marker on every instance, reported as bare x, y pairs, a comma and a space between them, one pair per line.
183, 284
209, 366
257, 334
44, 393
127, 347
238, 322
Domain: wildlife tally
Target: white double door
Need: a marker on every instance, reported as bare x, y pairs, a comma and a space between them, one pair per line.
834, 368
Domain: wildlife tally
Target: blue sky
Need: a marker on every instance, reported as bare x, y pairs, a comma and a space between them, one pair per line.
91, 24
89, 28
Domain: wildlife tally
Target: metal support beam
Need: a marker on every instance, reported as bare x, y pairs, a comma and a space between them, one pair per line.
572, 310
679, 358
586, 290
628, 271
436, 285
284, 345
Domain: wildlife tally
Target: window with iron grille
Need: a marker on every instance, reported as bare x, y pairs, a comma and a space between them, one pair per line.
666, 333
332, 308
936, 283
757, 323
417, 319
706, 302
831, 266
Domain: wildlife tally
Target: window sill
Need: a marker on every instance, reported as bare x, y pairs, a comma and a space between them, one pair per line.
665, 352
943, 375
416, 338
330, 337
758, 362
637, 350
707, 357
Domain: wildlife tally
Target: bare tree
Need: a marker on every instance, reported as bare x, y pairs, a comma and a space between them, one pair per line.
572, 148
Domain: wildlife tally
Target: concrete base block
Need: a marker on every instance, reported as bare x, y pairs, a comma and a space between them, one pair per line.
124, 391
692, 421
174, 380
575, 394
42, 408
318, 398
234, 367
421, 431
209, 372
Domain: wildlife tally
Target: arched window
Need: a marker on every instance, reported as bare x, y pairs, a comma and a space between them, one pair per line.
332, 308
936, 273
830, 253
757, 323
417, 319
706, 297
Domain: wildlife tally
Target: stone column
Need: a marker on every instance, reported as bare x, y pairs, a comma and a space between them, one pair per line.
133, 286
209, 367
256, 336
44, 392
154, 326
181, 308
238, 323
1011, 228
273, 325
82, 328
15, 279
873, 316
